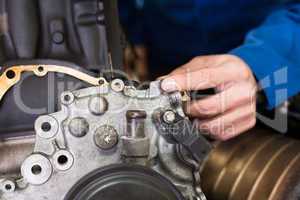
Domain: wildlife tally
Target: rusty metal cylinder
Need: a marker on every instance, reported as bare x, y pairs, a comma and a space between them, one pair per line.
255, 166
13, 152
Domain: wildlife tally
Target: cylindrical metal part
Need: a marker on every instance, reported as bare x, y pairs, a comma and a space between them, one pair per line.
255, 165
136, 123
13, 152
98, 105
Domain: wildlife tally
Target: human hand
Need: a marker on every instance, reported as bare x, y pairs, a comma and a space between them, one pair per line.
232, 110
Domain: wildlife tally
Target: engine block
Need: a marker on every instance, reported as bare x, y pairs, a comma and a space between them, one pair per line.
106, 131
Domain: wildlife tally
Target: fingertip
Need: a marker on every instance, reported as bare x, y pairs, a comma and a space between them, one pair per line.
169, 85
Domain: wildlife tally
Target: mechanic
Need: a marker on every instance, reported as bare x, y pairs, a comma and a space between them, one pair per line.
233, 46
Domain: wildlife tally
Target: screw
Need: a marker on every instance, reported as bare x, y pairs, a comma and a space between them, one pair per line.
130, 91
169, 116
106, 137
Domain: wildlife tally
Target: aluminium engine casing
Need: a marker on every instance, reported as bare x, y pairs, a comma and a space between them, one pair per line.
98, 127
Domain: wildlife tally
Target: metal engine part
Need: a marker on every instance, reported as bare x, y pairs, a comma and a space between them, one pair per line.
101, 129
13, 152
12, 75
255, 165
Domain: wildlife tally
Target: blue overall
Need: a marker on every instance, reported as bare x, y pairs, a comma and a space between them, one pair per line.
264, 33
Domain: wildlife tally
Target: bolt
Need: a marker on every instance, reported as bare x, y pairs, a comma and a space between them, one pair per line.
130, 91
117, 85
58, 37
106, 137
169, 116
98, 105
78, 127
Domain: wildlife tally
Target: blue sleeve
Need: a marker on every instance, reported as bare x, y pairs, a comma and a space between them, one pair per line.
131, 17
273, 53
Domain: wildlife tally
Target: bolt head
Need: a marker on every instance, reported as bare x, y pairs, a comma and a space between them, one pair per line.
106, 137
117, 85
169, 116
58, 37
130, 91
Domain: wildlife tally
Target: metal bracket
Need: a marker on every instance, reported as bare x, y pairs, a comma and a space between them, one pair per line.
181, 131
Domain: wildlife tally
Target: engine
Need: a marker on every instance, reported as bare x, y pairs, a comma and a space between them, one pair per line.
109, 141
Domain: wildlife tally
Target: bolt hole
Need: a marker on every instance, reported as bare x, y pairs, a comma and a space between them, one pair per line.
67, 98
117, 84
62, 160
10, 74
36, 169
101, 82
40, 68
46, 127
8, 187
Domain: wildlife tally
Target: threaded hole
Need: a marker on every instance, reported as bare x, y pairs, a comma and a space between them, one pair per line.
62, 160
36, 169
101, 82
67, 98
10, 74
40, 68
8, 187
46, 126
